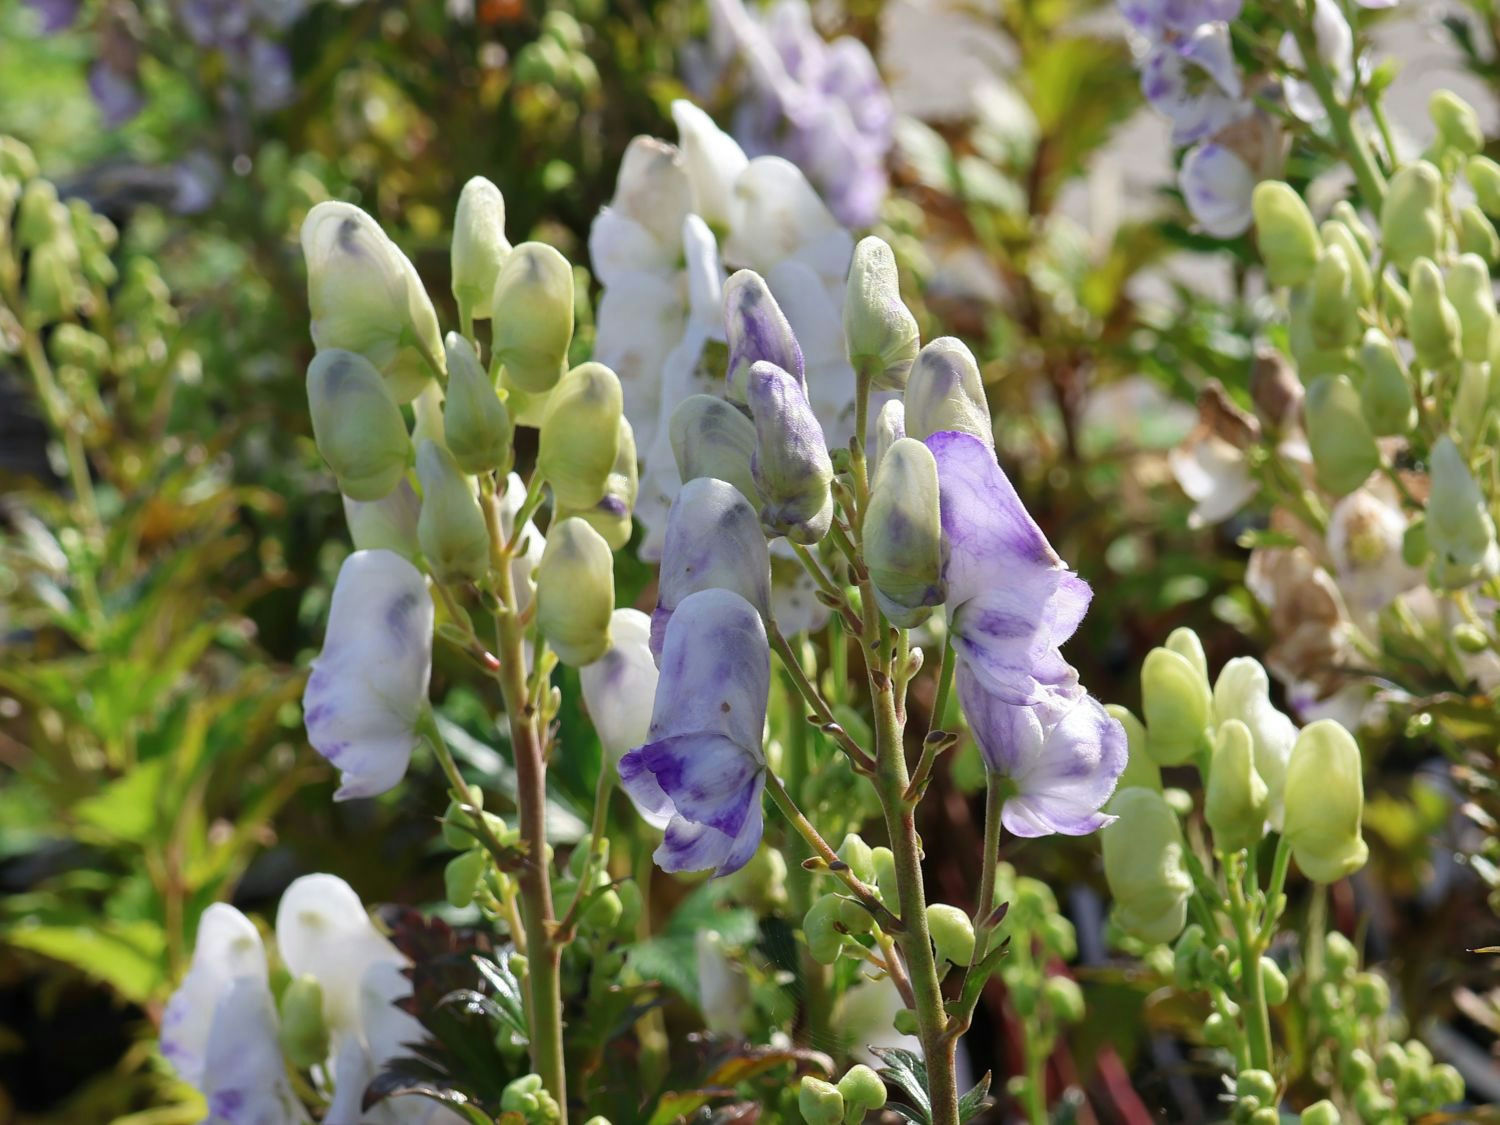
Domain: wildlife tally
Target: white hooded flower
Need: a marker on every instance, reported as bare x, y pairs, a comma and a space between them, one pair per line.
620, 686
1365, 531
1243, 692
1217, 185
1335, 40
368, 687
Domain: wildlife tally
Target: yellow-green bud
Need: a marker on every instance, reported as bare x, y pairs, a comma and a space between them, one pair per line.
357, 425
1457, 123
611, 516
944, 391
365, 296
820, 1102
885, 875
476, 424
76, 345
761, 883
52, 282
1273, 982
1237, 800
1459, 528
1189, 956
711, 437
1144, 865
529, 1098
1372, 995
952, 933
1343, 449
904, 536
462, 875
40, 217
820, 927
575, 592
479, 246
1344, 212
532, 307
1361, 282
1185, 643
17, 159
880, 329
1433, 323
1411, 219
857, 854
1469, 638
303, 1032
1178, 705
1064, 997
451, 528
1395, 301
1445, 1085
1324, 800
1285, 232
1471, 402
1476, 235
580, 435
1141, 769
1320, 1113
1469, 289
863, 1092
1256, 1084
1385, 391
1484, 177
1333, 309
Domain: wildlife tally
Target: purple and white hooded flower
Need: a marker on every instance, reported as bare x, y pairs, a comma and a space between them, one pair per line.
703, 767
1217, 184
1063, 756
1335, 40
618, 687
368, 687
1011, 600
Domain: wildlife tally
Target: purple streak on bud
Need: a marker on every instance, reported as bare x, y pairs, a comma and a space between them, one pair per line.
757, 330
791, 466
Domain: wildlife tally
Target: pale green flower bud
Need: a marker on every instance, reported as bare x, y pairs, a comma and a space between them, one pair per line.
462, 875
890, 427
1285, 233
858, 855
885, 875
1185, 643
53, 286
1325, 803
303, 1032
1257, 1084
820, 927
1473, 297
479, 247
1470, 402
1457, 123
944, 391
1344, 212
1178, 705
1484, 177
1385, 392
1395, 301
1273, 982
532, 307
1333, 311
1476, 235
820, 1102
1411, 219
1361, 281
1141, 771
1321, 1113
575, 592
365, 296
880, 329
863, 1093
357, 425
1460, 530
611, 516
952, 933
1433, 325
74, 345
1144, 865
580, 435
1343, 449
1064, 997
903, 536
451, 528
17, 159
40, 217
389, 523
1236, 801
713, 438
476, 424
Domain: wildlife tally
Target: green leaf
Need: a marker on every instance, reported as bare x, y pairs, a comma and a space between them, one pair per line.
974, 1102
908, 1073
125, 809
128, 956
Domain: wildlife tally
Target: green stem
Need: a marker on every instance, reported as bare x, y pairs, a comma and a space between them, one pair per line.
1356, 149
1275, 902
994, 802
814, 1028
1252, 990
815, 700
944, 686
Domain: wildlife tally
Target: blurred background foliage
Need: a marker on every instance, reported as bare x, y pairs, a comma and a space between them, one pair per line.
168, 534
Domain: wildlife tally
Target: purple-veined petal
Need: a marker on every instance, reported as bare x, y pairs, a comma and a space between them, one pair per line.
1217, 186
245, 1080
619, 687
228, 947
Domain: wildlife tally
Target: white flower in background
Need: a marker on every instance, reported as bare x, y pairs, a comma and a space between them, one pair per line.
523, 566
368, 687
1335, 40
1365, 531
864, 1017
723, 988
1216, 184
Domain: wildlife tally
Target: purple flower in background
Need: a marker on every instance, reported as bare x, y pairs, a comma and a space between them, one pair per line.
703, 768
821, 105
1217, 185
55, 15
368, 686
791, 466
1158, 19
1011, 600
1062, 755
117, 92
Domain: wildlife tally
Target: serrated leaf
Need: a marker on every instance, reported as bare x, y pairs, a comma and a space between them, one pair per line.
906, 1113
908, 1073
128, 956
973, 1103
977, 976
390, 1085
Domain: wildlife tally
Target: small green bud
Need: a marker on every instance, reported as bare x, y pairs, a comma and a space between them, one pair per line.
40, 217
1285, 232
857, 854
1371, 1103
1469, 289
1177, 703
946, 392
457, 825
1064, 997
1460, 530
451, 528
1188, 957
1265, 1115
1445, 1085
1273, 982
1469, 408
1372, 995
761, 883
1484, 177
1361, 282
1477, 235
532, 306
903, 536
1140, 769
580, 435
952, 933
1385, 391
1325, 802
476, 424
303, 1031
1256, 1084
1433, 325
1333, 310
1357, 1068
1390, 1061
1144, 865
1414, 549
1320, 1113
1469, 638
1340, 957
1237, 800
632, 902
575, 592
1218, 1031
462, 876
885, 875
52, 283
880, 329
479, 246
1344, 212
711, 437
820, 1102
863, 1092
17, 159
611, 516
820, 928
1185, 643
1343, 449
1395, 301
1059, 936
1411, 220
1457, 123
